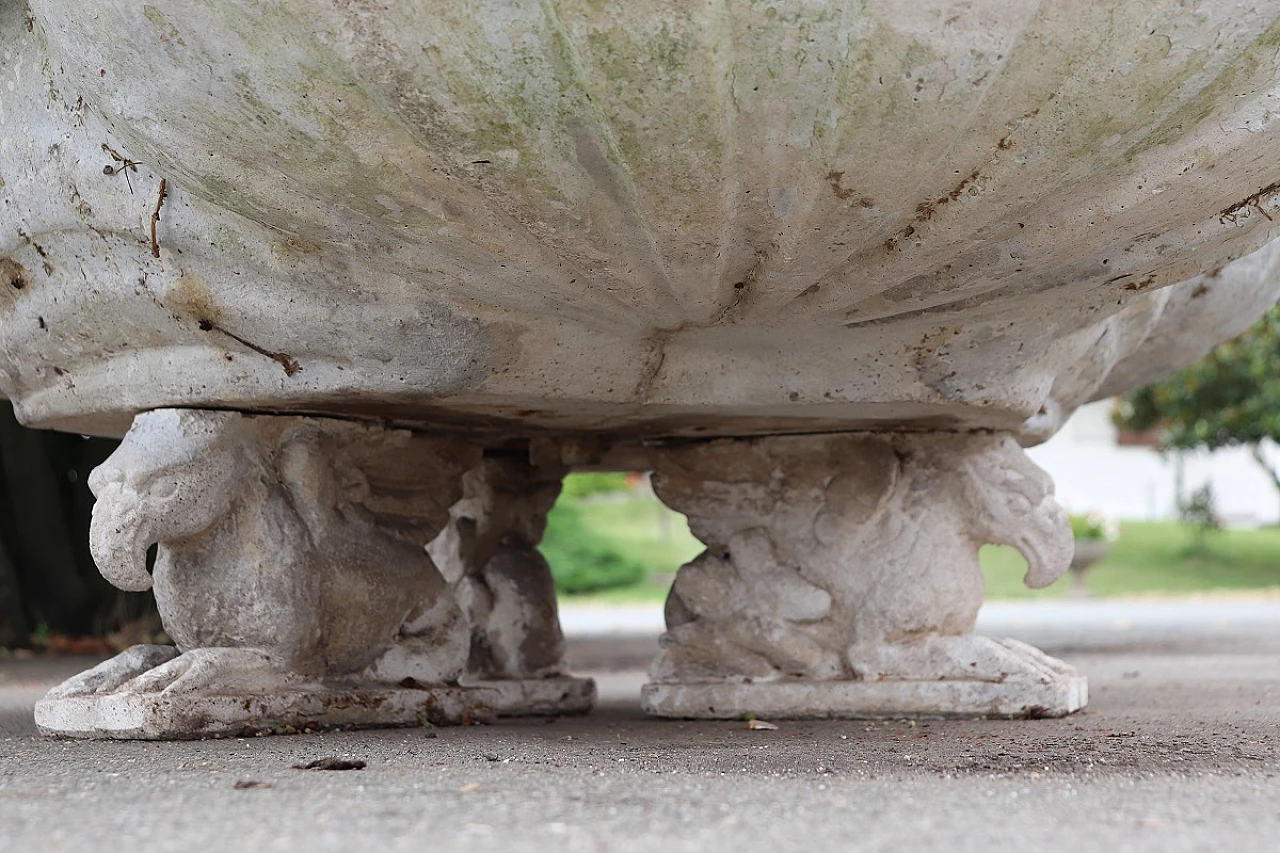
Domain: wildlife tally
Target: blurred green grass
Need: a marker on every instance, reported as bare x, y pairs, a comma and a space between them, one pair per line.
1148, 559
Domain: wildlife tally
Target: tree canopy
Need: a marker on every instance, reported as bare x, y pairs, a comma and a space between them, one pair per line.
1230, 397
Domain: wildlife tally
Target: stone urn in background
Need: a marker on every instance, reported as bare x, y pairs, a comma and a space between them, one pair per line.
1093, 535
1088, 552
356, 279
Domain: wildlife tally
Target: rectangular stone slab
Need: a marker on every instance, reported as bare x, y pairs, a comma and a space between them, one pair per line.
802, 700
185, 716
532, 697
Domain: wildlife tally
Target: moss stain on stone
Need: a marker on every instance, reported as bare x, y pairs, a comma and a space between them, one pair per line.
1234, 80
163, 26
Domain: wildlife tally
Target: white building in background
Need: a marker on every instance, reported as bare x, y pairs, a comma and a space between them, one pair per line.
1093, 471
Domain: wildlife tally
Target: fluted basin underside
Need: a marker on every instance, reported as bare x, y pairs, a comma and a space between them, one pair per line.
655, 217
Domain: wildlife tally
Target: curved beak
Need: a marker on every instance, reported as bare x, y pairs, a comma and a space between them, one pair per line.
1047, 544
119, 537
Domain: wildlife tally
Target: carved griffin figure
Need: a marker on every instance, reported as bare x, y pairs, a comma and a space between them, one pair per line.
293, 545
852, 556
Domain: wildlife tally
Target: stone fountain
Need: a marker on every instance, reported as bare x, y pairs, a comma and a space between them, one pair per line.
359, 283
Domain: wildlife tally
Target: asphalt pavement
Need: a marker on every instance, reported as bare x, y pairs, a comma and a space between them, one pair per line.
1178, 750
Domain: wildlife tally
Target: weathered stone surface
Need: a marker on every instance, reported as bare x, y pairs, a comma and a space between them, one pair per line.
841, 577
292, 573
153, 693
1058, 691
926, 229
664, 218
299, 536
489, 554
1171, 328
489, 550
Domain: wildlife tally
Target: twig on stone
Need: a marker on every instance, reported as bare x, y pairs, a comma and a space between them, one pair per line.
125, 165
155, 218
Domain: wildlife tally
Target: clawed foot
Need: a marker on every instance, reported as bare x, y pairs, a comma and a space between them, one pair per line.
967, 658
161, 670
108, 676
216, 671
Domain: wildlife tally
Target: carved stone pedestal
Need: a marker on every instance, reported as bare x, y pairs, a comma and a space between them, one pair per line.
489, 553
841, 578
292, 573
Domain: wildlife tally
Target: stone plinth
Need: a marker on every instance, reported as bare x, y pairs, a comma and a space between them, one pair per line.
292, 573
841, 578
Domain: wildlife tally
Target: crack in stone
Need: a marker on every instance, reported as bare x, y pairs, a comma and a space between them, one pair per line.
658, 341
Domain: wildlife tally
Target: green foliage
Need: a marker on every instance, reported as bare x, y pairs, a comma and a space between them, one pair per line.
1154, 558
1230, 397
1093, 527
596, 545
1199, 513
584, 485
584, 559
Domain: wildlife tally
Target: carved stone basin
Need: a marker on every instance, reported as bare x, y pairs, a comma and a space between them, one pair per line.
663, 218
926, 231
